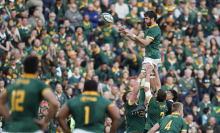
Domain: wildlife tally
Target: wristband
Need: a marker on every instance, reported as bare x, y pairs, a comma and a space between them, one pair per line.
147, 84
134, 35
138, 80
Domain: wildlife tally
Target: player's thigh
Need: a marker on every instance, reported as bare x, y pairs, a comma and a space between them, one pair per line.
148, 67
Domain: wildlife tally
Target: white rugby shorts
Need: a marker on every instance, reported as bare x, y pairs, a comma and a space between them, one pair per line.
153, 62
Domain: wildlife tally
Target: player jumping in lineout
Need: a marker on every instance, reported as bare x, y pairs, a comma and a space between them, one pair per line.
151, 40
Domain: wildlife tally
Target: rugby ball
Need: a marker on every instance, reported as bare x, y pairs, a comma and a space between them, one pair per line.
107, 18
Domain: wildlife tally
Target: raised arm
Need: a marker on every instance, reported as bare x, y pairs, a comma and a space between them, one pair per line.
157, 78
136, 89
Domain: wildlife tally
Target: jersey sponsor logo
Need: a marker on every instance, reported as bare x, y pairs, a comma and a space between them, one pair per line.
23, 81
85, 99
162, 106
140, 113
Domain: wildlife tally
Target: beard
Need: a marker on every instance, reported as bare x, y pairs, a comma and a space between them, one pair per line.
148, 24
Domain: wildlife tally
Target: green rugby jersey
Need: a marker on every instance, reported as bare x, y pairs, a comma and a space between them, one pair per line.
173, 123
24, 98
152, 50
135, 122
89, 111
156, 111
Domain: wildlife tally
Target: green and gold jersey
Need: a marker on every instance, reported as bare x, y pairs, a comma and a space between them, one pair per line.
135, 122
89, 111
152, 50
173, 123
24, 98
156, 111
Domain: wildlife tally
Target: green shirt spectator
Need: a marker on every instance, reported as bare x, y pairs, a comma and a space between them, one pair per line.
98, 55
51, 28
135, 62
87, 25
205, 103
208, 26
100, 72
187, 82
110, 34
115, 73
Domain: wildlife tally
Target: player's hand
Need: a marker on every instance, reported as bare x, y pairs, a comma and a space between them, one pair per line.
156, 69
43, 125
142, 75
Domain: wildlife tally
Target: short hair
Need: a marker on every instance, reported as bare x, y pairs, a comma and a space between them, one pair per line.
188, 70
206, 110
177, 106
151, 14
125, 96
13, 10
90, 85
175, 95
31, 64
161, 95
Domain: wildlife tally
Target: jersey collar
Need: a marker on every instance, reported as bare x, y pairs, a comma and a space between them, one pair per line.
153, 25
90, 93
175, 113
29, 75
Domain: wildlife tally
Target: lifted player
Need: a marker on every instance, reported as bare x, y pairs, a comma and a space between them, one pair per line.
24, 97
173, 123
89, 111
151, 40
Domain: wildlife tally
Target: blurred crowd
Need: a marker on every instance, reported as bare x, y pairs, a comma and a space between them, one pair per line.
73, 45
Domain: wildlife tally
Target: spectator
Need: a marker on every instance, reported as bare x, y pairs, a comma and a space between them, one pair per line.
115, 73
198, 19
203, 8
88, 27
188, 106
215, 34
69, 28
195, 97
109, 86
211, 123
185, 16
51, 28
46, 8
197, 117
168, 85
98, 55
59, 9
100, 72
187, 82
172, 97
113, 13
189, 121
74, 80
38, 5
52, 77
132, 18
13, 17
205, 103
59, 95
114, 93
206, 89
206, 112
93, 15
179, 9
63, 64
47, 58
121, 6
208, 26
32, 21
216, 99
134, 62
73, 15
